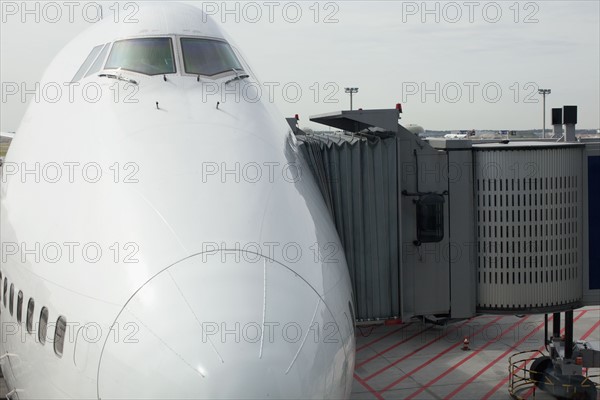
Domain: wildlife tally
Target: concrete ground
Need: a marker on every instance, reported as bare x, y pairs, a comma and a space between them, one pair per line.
421, 361
424, 361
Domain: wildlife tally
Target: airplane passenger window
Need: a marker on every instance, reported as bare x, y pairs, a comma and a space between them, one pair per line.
97, 66
5, 289
43, 325
11, 300
150, 56
29, 322
59, 335
208, 57
86, 64
20, 306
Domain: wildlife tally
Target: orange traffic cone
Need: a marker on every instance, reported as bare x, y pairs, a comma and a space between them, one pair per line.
465, 346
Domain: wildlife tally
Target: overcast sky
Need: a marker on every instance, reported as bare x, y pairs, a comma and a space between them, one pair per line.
453, 65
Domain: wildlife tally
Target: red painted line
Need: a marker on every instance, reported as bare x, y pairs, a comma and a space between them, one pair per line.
495, 389
464, 360
585, 335
397, 381
368, 387
505, 380
591, 330
364, 346
379, 354
497, 359
389, 322
531, 390
374, 374
502, 382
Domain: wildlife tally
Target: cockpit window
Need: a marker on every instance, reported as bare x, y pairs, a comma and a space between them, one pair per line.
97, 66
86, 64
208, 57
150, 56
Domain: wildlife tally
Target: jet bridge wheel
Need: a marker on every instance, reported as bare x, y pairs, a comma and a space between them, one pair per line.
574, 387
538, 368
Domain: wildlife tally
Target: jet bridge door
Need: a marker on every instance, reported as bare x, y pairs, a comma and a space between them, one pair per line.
425, 264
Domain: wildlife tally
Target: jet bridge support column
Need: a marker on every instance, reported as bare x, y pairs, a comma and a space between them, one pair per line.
568, 334
556, 325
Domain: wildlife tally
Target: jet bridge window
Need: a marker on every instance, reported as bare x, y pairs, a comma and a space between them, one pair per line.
208, 57
149, 56
430, 218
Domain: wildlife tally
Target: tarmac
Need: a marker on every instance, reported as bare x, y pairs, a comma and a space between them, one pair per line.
424, 361
417, 360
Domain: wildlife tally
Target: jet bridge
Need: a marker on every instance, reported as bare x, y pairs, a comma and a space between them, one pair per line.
451, 228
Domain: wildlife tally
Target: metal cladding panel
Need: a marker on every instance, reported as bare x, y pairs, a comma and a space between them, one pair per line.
358, 179
461, 215
529, 228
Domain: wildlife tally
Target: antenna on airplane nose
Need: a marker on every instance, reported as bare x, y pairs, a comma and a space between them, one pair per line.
165, 78
218, 105
157, 106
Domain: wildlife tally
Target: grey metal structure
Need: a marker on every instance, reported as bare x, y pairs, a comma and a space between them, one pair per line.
358, 178
375, 181
427, 233
529, 226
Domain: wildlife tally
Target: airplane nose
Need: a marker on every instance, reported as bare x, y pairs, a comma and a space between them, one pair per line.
235, 325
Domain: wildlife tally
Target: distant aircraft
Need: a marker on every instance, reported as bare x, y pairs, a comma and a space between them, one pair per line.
162, 236
460, 135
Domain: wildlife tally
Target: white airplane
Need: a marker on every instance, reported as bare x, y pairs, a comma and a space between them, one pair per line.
6, 135
165, 239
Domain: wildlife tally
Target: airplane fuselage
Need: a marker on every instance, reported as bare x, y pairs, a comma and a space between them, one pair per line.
166, 233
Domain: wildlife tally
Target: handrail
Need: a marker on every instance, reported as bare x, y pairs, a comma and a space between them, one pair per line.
521, 386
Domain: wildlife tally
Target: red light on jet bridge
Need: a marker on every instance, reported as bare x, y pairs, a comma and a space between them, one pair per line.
399, 107
297, 117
